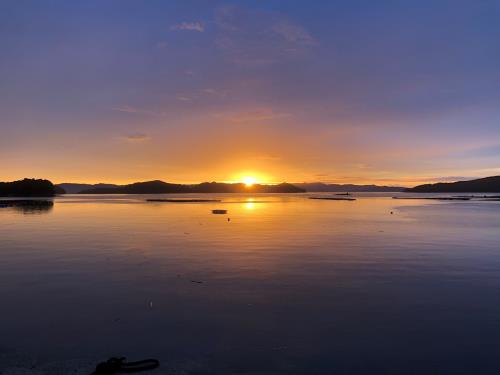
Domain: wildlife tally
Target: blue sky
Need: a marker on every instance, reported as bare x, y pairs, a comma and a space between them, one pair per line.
397, 92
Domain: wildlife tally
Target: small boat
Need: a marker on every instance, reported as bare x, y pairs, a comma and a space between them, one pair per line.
219, 212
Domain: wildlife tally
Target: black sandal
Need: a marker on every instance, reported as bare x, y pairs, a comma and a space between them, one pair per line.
118, 365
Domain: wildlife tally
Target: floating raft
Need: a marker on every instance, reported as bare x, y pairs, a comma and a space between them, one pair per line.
437, 198
333, 198
219, 212
183, 200
479, 196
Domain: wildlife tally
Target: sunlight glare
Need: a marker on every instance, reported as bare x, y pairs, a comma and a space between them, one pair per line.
249, 181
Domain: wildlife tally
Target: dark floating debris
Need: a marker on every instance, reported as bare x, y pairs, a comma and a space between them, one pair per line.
219, 212
183, 200
333, 198
479, 196
437, 198
197, 281
343, 193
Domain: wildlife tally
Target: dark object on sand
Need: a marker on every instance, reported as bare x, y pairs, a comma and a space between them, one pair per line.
219, 212
437, 198
118, 366
183, 200
333, 198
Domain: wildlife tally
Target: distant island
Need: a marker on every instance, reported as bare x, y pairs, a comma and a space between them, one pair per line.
29, 187
160, 187
217, 187
72, 188
337, 188
481, 185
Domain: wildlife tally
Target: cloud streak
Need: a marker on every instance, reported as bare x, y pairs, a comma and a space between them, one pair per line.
256, 115
136, 111
257, 38
137, 137
189, 26
293, 33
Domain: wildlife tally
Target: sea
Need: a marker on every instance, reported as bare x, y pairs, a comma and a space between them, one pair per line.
278, 284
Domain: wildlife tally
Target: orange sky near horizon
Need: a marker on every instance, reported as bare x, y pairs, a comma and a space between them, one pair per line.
203, 149
217, 91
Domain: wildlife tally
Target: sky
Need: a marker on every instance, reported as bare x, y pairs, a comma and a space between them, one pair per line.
354, 91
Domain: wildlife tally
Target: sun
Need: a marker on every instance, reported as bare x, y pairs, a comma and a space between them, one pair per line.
249, 181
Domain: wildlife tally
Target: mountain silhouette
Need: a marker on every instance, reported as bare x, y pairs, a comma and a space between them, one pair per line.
160, 187
72, 188
481, 185
322, 187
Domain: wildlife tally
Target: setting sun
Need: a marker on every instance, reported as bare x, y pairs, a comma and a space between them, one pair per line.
249, 181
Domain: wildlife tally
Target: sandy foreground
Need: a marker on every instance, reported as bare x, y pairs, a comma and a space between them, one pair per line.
14, 363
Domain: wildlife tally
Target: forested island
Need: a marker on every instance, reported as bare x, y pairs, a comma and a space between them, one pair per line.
29, 187
481, 185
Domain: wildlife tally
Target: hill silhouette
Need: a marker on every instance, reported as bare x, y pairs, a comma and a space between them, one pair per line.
160, 187
29, 187
72, 188
481, 185
322, 187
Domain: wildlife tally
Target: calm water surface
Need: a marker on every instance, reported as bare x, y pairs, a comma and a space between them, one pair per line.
287, 285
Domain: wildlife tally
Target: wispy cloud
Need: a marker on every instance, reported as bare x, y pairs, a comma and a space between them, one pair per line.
184, 98
256, 115
447, 179
482, 152
256, 38
137, 111
125, 108
137, 137
294, 33
189, 26
161, 45
214, 92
